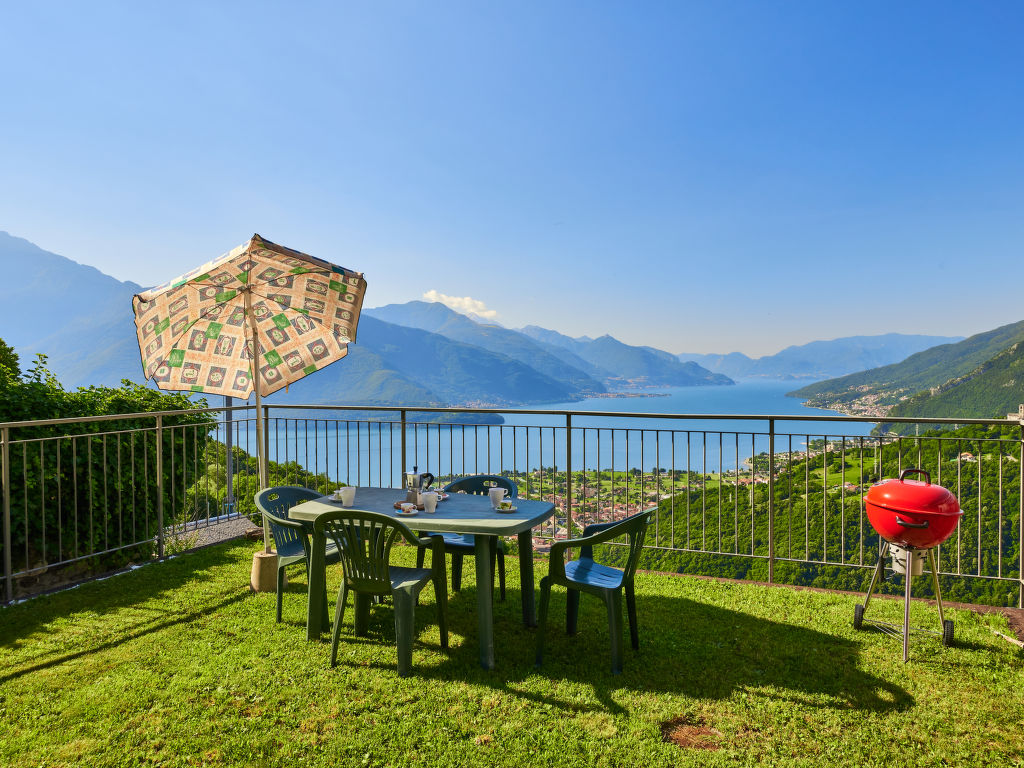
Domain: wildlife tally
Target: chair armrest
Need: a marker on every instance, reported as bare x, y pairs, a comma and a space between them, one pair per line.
601, 532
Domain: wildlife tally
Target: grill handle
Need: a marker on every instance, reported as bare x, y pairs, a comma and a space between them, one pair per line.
905, 472
905, 524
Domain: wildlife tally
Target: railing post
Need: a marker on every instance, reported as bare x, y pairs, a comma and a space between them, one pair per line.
771, 500
401, 479
229, 463
159, 486
5, 437
568, 475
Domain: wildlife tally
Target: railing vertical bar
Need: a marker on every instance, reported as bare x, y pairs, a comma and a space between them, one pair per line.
721, 486
5, 440
703, 490
789, 493
977, 567
657, 476
672, 504
860, 516
1020, 515
736, 498
999, 528
689, 485
771, 500
824, 499
807, 498
159, 486
753, 482
842, 504
42, 498
568, 475
24, 494
959, 481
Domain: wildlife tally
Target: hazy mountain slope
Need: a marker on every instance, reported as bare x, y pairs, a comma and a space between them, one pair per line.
456, 371
43, 293
628, 365
835, 357
557, 339
924, 370
438, 318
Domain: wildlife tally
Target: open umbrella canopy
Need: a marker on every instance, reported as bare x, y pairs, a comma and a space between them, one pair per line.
261, 314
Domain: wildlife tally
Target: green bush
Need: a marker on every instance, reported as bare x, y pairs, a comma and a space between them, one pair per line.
86, 493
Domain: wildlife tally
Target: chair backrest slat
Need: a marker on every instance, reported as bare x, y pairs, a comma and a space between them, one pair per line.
364, 540
481, 484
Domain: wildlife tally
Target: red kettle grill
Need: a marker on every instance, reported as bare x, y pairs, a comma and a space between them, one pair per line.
912, 517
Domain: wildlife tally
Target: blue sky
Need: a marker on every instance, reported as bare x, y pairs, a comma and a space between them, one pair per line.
698, 176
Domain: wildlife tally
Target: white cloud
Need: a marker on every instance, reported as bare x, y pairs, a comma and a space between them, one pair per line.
464, 304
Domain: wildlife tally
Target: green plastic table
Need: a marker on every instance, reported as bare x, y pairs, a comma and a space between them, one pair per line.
460, 513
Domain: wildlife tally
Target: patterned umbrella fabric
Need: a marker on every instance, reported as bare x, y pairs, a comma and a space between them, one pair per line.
196, 332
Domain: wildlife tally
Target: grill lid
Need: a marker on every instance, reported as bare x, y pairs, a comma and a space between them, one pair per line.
904, 495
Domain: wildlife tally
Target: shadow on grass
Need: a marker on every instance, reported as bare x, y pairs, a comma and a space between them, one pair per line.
153, 583
687, 648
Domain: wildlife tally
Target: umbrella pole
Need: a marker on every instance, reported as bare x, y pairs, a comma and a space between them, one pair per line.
261, 449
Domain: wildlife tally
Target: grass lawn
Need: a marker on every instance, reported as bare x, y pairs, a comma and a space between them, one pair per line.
178, 664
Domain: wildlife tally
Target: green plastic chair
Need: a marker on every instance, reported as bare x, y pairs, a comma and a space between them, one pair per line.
459, 545
585, 575
291, 537
364, 540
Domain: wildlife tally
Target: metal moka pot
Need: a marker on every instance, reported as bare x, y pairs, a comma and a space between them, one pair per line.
416, 483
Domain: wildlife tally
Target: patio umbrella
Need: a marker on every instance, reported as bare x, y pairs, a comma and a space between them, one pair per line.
252, 321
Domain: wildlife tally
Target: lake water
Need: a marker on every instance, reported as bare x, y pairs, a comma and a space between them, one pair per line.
370, 454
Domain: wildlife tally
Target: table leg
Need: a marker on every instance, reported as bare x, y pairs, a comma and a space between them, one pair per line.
526, 578
485, 600
316, 607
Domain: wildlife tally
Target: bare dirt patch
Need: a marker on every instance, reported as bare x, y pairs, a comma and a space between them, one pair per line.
691, 733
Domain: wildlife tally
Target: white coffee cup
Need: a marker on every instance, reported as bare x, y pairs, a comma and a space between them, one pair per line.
496, 495
429, 501
348, 495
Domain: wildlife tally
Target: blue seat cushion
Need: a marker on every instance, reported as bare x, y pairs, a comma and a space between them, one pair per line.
586, 571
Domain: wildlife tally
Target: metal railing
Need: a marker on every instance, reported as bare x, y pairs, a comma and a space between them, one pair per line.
746, 494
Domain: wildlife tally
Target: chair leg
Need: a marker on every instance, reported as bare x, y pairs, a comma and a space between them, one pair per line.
456, 571
420, 553
613, 599
339, 614
362, 613
542, 618
280, 591
501, 573
634, 632
572, 611
405, 607
441, 598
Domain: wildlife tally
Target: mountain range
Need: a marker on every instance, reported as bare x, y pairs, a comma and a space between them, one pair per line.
822, 359
426, 354
979, 377
417, 354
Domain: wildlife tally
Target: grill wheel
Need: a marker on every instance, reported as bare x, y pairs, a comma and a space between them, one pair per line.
947, 633
858, 618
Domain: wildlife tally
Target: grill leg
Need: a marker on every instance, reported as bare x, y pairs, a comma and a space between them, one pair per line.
906, 606
883, 550
935, 584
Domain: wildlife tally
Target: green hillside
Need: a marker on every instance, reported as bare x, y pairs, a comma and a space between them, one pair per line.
932, 368
994, 389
